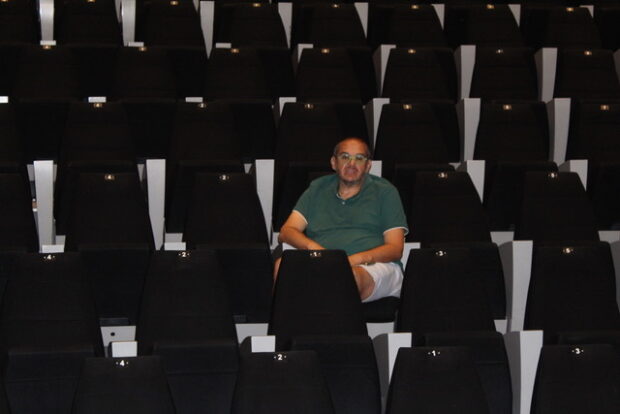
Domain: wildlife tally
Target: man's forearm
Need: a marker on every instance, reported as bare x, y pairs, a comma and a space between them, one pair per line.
297, 239
380, 254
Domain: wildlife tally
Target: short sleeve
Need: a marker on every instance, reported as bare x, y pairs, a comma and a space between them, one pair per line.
303, 203
392, 212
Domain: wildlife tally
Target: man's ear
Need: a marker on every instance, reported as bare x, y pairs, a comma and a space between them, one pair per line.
332, 161
368, 165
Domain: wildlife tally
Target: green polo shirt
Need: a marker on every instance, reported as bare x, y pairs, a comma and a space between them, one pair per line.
353, 225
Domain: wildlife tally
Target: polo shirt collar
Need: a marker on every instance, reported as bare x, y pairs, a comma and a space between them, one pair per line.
364, 185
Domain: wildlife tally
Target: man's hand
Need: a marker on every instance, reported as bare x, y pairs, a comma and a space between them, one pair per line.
357, 259
390, 251
292, 232
312, 245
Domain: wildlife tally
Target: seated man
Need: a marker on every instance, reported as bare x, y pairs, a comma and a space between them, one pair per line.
356, 212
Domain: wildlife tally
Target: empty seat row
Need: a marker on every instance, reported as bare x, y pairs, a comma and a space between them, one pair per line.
179, 23
245, 130
406, 74
184, 320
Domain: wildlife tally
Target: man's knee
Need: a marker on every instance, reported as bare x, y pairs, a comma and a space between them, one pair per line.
365, 283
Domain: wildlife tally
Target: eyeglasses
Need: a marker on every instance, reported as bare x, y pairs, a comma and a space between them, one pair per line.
346, 157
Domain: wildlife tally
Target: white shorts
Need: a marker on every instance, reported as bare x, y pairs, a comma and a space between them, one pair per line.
388, 279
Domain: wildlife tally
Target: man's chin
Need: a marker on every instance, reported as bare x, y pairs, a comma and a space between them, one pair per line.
351, 181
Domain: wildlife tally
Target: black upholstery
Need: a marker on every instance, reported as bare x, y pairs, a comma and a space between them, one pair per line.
420, 74
281, 383
327, 25
405, 25
225, 210
512, 138
504, 73
123, 385
435, 379
415, 134
204, 138
167, 23
46, 72
48, 327
302, 305
18, 22
555, 209
86, 22
143, 72
185, 318
446, 208
564, 27
249, 24
606, 17
592, 136
17, 226
336, 74
575, 379
585, 73
249, 73
572, 289
108, 211
481, 25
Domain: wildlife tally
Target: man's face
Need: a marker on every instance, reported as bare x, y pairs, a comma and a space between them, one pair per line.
351, 171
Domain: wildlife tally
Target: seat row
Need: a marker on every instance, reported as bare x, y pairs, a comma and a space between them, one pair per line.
247, 130
96, 149
187, 23
402, 74
49, 333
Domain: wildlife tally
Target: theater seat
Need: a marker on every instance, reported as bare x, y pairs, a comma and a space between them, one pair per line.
185, 318
556, 26
572, 291
327, 25
307, 316
586, 74
18, 230
249, 73
482, 25
168, 23
504, 73
450, 298
420, 74
335, 74
249, 24
109, 211
86, 22
18, 22
555, 209
592, 133
417, 133
49, 326
123, 385
225, 210
512, 138
281, 382
576, 379
404, 25
435, 379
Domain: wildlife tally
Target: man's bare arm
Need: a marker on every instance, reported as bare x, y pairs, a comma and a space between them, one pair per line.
292, 232
391, 249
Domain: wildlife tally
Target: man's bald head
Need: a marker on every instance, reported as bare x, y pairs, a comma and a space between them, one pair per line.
359, 140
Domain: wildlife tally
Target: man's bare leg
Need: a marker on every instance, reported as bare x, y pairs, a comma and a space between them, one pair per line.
365, 283
276, 269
